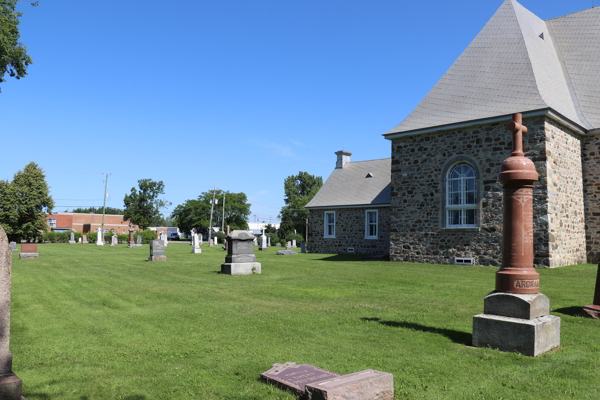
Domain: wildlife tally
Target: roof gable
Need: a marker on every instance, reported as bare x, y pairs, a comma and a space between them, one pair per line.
351, 185
507, 68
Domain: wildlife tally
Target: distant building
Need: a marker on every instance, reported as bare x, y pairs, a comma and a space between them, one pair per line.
85, 223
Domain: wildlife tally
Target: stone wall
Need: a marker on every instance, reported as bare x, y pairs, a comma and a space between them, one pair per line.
566, 215
349, 232
417, 230
591, 191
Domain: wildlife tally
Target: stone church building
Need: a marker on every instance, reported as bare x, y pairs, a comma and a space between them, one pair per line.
445, 204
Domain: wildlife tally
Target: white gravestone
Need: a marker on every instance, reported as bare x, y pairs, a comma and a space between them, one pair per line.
163, 237
263, 243
115, 240
195, 244
99, 237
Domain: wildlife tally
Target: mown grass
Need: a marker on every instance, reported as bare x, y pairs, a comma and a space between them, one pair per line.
102, 323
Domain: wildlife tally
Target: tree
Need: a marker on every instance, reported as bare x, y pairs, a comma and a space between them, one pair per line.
25, 204
195, 214
142, 207
94, 210
299, 190
13, 55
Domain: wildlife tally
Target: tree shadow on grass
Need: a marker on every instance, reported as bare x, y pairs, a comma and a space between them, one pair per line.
132, 397
572, 311
456, 336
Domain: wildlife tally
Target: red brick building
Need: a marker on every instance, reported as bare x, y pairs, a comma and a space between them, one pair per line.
84, 223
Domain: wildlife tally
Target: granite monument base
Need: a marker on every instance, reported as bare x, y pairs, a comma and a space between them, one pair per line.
196, 251
28, 256
72, 242
247, 268
592, 311
517, 323
364, 385
10, 387
157, 258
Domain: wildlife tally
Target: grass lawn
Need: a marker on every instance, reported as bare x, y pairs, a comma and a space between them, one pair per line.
94, 322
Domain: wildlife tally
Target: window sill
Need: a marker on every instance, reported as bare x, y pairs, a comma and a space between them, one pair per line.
329, 237
465, 229
371, 238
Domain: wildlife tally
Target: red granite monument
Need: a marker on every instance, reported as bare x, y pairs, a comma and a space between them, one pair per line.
10, 384
516, 315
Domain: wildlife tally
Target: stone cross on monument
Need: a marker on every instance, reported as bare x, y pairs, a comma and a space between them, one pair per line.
516, 315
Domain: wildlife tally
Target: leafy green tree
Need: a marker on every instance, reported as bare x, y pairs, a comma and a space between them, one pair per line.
13, 55
25, 203
94, 210
299, 190
142, 206
195, 214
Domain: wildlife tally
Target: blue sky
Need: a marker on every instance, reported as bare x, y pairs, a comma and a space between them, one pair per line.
232, 94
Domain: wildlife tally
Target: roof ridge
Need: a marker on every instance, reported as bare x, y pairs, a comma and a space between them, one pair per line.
375, 159
575, 12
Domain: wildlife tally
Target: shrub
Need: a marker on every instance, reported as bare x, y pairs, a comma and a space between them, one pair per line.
274, 238
49, 236
123, 238
294, 236
91, 237
147, 235
220, 237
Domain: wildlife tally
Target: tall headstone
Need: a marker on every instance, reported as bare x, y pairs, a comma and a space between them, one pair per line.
195, 243
157, 251
130, 239
163, 237
593, 310
268, 241
263, 243
138, 240
239, 259
215, 241
114, 240
99, 237
10, 384
288, 245
294, 243
28, 251
255, 242
516, 315
80, 241
72, 238
84, 239
303, 247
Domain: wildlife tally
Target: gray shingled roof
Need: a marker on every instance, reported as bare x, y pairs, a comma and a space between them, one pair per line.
349, 186
509, 68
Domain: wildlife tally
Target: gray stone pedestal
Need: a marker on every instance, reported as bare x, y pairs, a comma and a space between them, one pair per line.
517, 323
247, 268
10, 387
28, 256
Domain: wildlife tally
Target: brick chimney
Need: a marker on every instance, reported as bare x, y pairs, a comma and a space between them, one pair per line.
343, 157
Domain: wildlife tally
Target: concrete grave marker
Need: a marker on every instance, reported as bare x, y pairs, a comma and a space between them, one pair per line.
13, 246
114, 240
195, 243
72, 238
313, 383
302, 247
157, 251
294, 243
99, 237
130, 239
138, 240
285, 252
516, 315
10, 384
28, 251
268, 241
163, 237
84, 239
263, 243
239, 259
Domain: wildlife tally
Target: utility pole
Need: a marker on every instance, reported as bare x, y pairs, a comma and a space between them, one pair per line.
104, 205
223, 216
212, 207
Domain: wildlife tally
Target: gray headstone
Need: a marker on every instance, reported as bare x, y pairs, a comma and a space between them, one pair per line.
10, 384
157, 251
115, 240
85, 241
239, 259
138, 239
13, 246
294, 243
302, 247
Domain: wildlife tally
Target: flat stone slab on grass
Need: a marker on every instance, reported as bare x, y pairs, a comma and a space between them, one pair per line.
364, 385
294, 377
285, 252
312, 383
